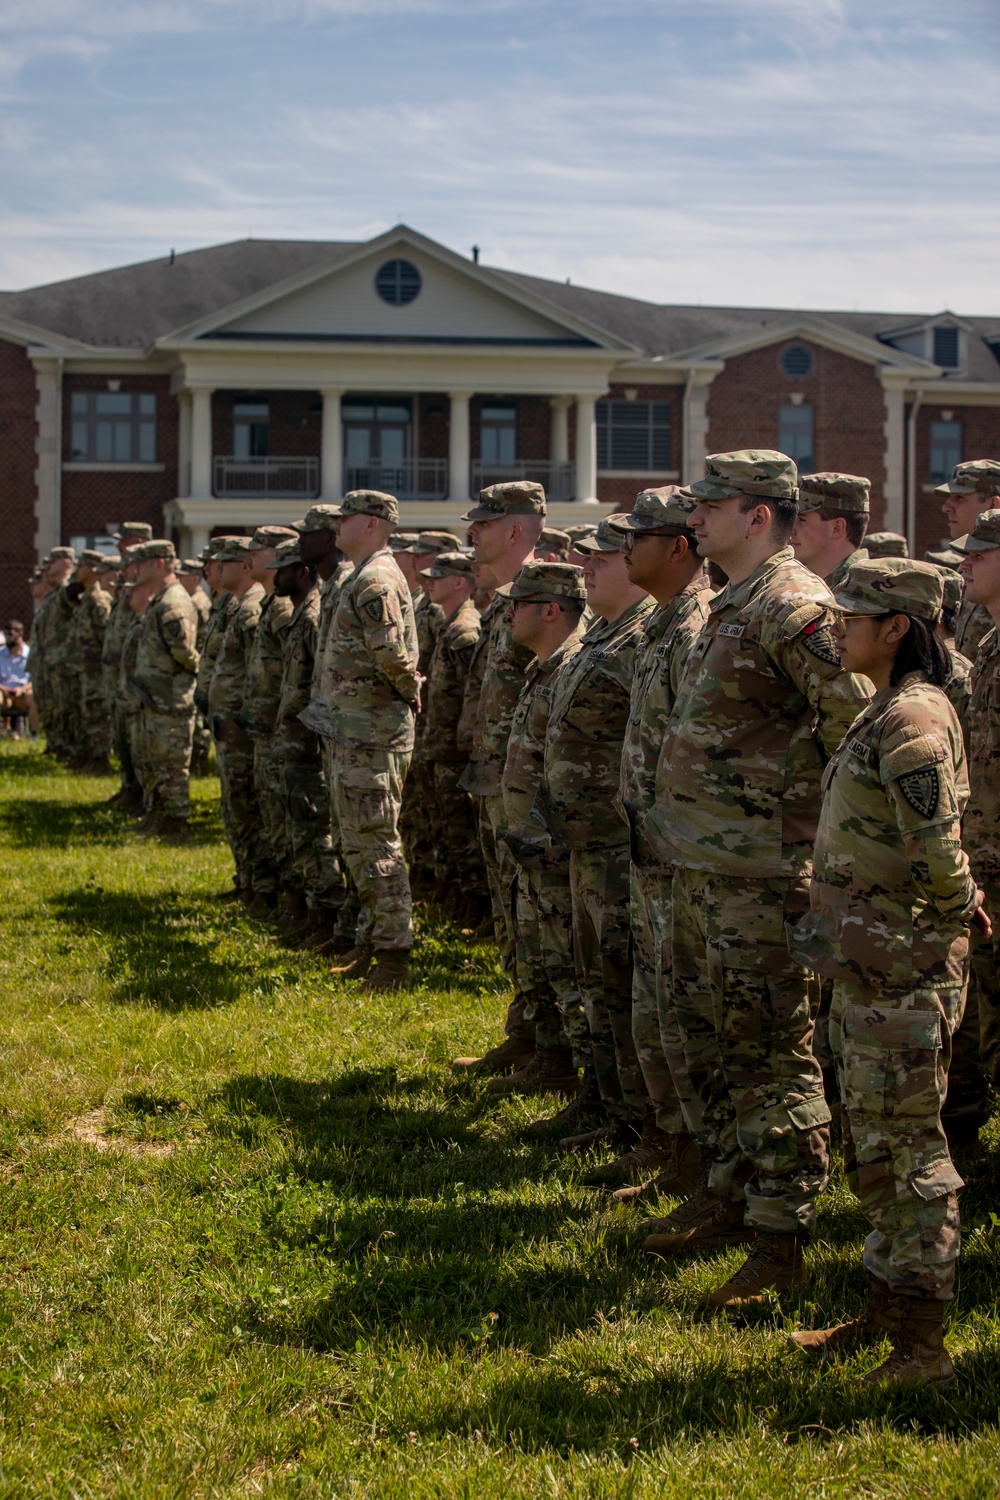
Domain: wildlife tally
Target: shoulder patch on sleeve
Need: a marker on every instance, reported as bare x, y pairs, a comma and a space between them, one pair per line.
819, 640
375, 609
922, 790
910, 756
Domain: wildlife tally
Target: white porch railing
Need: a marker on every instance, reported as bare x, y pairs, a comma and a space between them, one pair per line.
558, 479
409, 479
269, 478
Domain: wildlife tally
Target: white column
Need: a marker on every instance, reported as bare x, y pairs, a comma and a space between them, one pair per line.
894, 389
332, 453
458, 448
559, 429
201, 442
48, 453
184, 445
586, 448
199, 539
694, 425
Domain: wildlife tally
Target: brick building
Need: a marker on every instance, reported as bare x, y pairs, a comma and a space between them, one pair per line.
220, 388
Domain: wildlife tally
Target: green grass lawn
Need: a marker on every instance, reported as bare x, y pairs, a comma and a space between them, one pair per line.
258, 1240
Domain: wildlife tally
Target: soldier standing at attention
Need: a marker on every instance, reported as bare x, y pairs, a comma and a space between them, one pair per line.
191, 572
737, 799
128, 798
973, 487
661, 556
93, 611
136, 597
892, 898
166, 666
506, 524
372, 688
223, 604
53, 635
830, 527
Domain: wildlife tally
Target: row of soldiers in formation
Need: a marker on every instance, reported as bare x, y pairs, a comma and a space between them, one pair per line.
724, 818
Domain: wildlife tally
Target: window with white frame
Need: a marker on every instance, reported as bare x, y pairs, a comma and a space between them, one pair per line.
945, 450
498, 434
251, 429
113, 427
796, 435
636, 436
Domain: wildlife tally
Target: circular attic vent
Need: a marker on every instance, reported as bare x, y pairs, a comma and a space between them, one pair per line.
397, 282
797, 361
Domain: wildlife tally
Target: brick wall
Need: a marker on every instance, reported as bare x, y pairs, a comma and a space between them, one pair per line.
980, 439
620, 490
93, 498
846, 397
296, 419
432, 434
18, 432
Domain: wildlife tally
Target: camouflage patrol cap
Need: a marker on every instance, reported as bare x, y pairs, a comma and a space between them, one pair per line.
839, 491
110, 563
541, 581
576, 532
287, 555
318, 518
272, 536
90, 557
953, 589
449, 565
886, 544
761, 473
435, 541
885, 585
370, 503
944, 557
402, 541
216, 545
237, 549
555, 540
977, 476
983, 537
518, 497
608, 537
190, 565
61, 554
665, 509
134, 531
157, 547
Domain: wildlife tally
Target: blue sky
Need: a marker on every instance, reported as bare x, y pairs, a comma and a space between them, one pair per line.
802, 153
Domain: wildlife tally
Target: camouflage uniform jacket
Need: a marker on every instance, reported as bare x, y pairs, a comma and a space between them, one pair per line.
738, 779
262, 688
981, 828
454, 647
53, 628
119, 625
428, 619
203, 609
370, 677
166, 659
466, 732
128, 692
840, 572
524, 766
222, 607
586, 730
660, 659
92, 615
891, 892
503, 679
227, 689
300, 641
329, 597
973, 624
959, 691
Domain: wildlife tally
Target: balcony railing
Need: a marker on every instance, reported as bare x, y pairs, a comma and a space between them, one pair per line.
272, 478
558, 479
410, 479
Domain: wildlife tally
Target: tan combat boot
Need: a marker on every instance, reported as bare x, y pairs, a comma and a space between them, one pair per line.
678, 1177
774, 1264
294, 910
173, 830
702, 1222
586, 1108
878, 1319
550, 1071
391, 971
149, 828
652, 1151
918, 1354
498, 1061
355, 965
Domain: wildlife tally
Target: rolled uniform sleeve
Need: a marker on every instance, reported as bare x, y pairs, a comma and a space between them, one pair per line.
801, 645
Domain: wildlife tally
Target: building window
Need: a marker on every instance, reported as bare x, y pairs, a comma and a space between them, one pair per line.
797, 361
946, 449
251, 429
635, 435
795, 435
498, 435
946, 347
113, 427
397, 282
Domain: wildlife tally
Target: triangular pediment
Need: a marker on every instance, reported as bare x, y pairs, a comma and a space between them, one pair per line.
456, 301
816, 329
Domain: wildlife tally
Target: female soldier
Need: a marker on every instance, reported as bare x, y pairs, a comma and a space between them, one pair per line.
892, 899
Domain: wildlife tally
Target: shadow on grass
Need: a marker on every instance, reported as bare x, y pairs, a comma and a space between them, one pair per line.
158, 955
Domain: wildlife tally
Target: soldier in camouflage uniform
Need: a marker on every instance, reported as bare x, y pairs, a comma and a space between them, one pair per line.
829, 530
165, 670
241, 817
737, 798
661, 557
974, 486
553, 545
458, 862
372, 688
128, 798
575, 533
191, 572
261, 691
545, 607
50, 642
886, 544
506, 524
981, 826
892, 897
583, 753
90, 623
128, 695
223, 605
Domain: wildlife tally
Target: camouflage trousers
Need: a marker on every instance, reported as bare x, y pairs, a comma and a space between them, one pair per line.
367, 792
599, 883
984, 987
305, 799
416, 821
892, 1053
241, 817
545, 965
132, 734
122, 744
655, 1033
743, 1009
165, 759
501, 874
350, 909
95, 724
267, 786
458, 858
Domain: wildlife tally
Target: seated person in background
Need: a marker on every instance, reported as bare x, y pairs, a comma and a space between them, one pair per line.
15, 678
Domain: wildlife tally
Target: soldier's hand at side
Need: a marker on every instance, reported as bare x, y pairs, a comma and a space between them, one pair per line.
981, 917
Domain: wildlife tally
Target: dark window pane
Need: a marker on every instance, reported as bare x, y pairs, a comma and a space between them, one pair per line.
79, 450
80, 403
147, 443
113, 404
946, 347
104, 444
945, 449
147, 404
